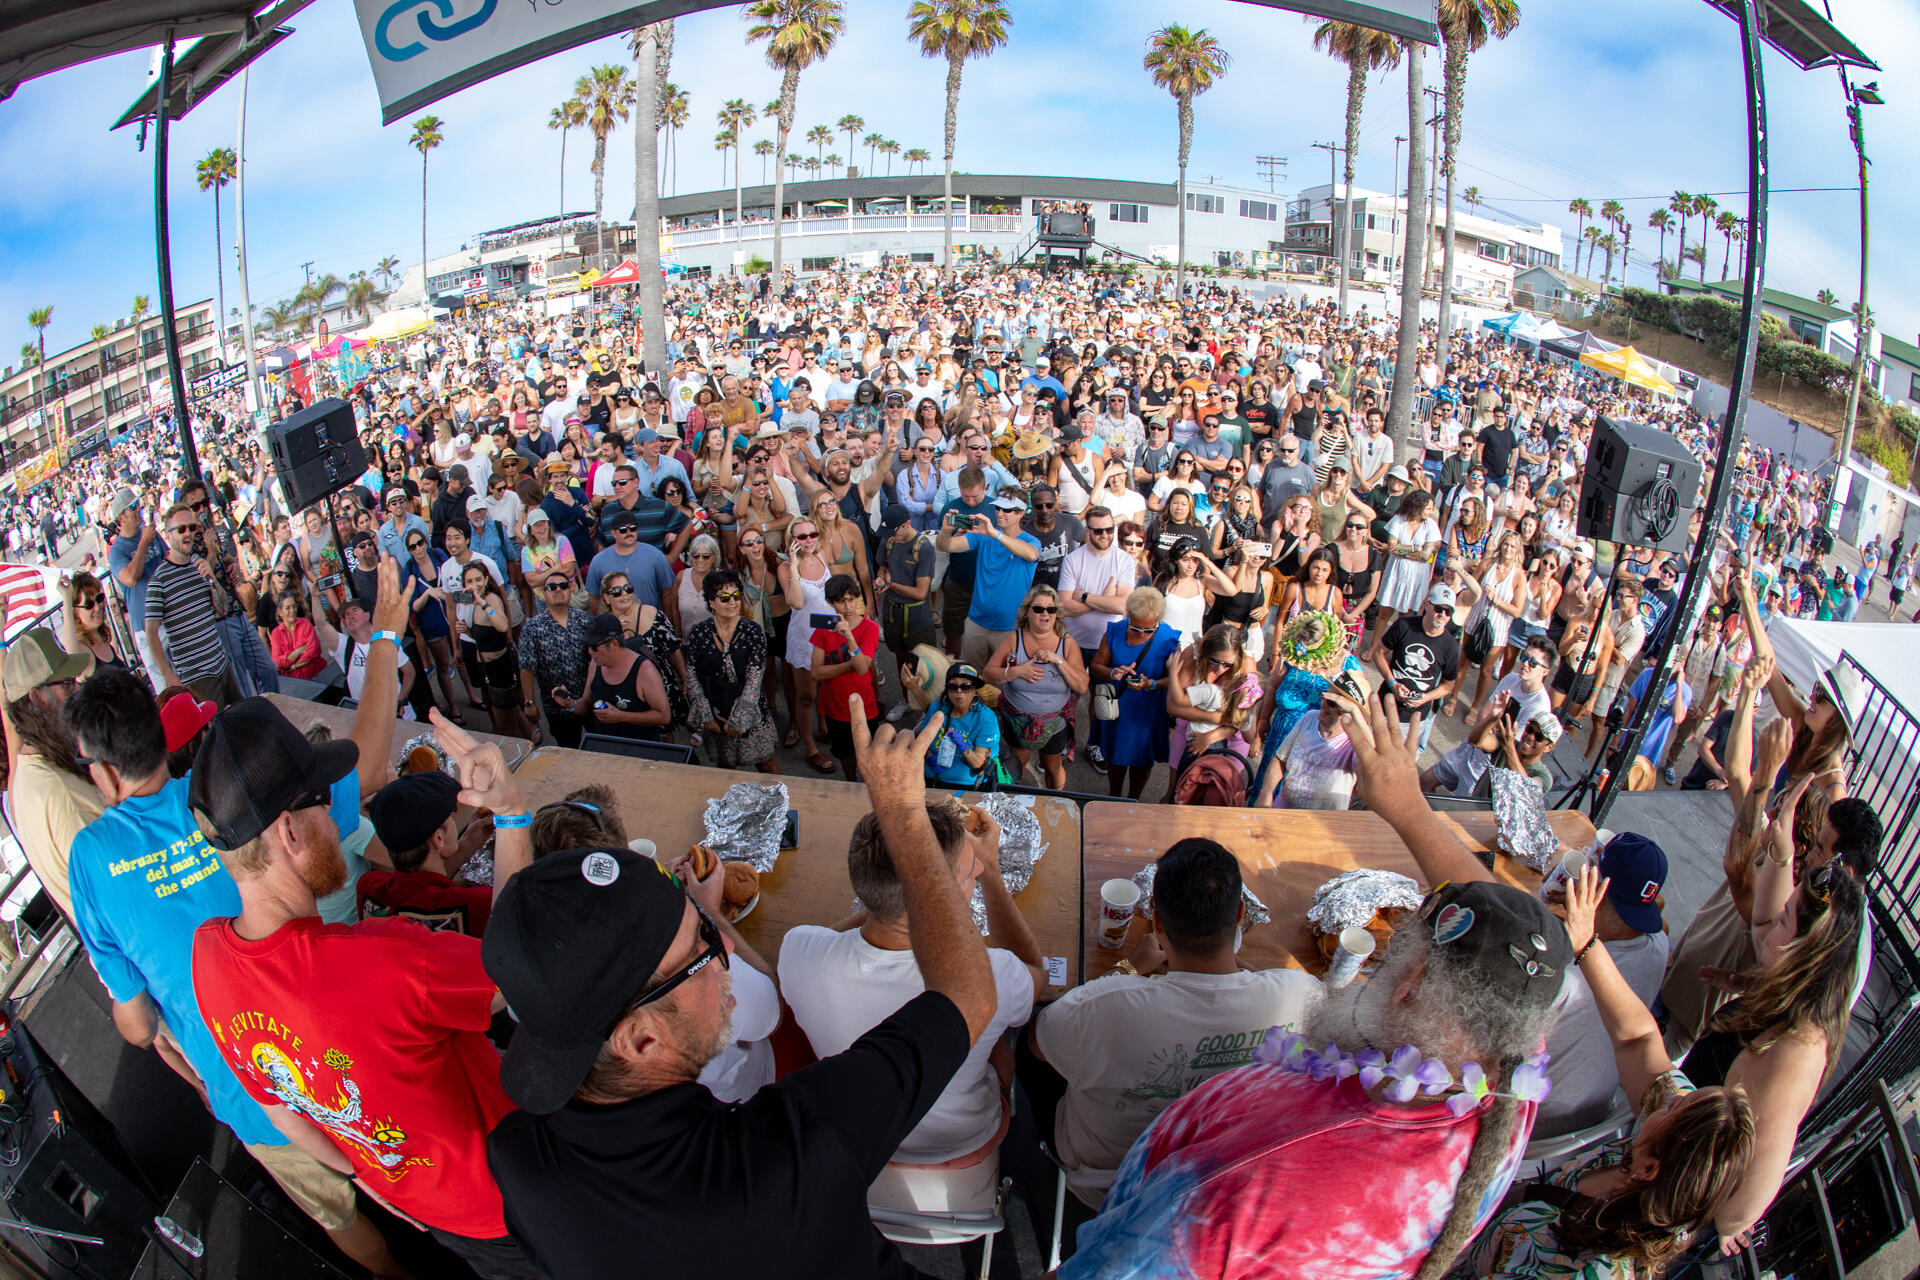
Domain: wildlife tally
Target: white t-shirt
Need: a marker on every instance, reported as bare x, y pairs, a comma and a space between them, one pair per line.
1320, 770
1129, 1046
1083, 570
1584, 1074
745, 1066
450, 573
352, 658
1128, 504
840, 987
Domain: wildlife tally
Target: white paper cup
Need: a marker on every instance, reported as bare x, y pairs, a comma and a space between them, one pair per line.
1356, 944
1117, 901
1563, 871
644, 847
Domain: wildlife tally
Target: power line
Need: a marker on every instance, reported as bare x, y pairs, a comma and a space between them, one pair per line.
1623, 199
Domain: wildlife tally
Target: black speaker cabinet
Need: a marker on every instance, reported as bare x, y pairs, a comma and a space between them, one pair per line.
317, 452
1639, 487
62, 1168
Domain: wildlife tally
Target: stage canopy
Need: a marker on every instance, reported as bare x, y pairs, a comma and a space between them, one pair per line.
1630, 367
628, 272
390, 325
1804, 649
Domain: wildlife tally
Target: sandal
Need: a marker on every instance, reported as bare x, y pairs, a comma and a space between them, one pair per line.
822, 764
457, 718
793, 736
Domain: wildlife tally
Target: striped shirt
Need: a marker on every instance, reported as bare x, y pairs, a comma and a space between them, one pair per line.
181, 601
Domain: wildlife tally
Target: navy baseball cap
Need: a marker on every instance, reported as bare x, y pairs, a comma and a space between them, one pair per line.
1637, 868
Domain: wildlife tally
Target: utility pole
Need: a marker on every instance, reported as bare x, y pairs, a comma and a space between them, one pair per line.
1433, 178
308, 268
1869, 95
1271, 164
1399, 189
1338, 237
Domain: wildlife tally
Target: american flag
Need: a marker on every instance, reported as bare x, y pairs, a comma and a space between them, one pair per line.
29, 590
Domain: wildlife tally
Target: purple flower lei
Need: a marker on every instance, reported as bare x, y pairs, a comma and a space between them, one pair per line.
1408, 1073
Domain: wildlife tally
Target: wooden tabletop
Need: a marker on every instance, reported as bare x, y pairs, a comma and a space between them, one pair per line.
1285, 855
340, 720
667, 804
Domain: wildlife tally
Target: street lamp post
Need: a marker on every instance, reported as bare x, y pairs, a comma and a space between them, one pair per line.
1857, 96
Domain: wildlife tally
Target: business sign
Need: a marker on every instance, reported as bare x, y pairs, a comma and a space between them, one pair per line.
212, 384
423, 50
1414, 19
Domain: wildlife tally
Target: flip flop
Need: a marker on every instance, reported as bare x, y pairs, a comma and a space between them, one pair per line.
822, 764
793, 736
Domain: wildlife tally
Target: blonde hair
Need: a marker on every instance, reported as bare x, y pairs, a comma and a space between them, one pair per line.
1058, 628
1146, 602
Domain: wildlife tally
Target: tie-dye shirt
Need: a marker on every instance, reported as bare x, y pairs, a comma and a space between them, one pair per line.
1263, 1173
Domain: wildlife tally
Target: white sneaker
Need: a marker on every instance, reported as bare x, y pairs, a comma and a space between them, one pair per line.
897, 714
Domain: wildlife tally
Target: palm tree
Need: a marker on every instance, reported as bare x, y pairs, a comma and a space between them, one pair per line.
280, 316
833, 161
1607, 244
1827, 297
673, 118
1471, 197
425, 137
763, 149
1184, 63
652, 49
317, 293
872, 143
797, 33
918, 156
606, 98
1706, 207
1729, 226
1682, 205
1466, 25
723, 142
568, 115
213, 173
1698, 253
794, 162
955, 30
39, 318
820, 136
100, 334
1582, 209
1363, 49
889, 148
1662, 221
850, 125
363, 294
388, 269
1592, 237
29, 356
734, 116
1414, 256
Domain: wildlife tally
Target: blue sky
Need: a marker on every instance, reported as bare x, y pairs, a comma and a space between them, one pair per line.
1633, 98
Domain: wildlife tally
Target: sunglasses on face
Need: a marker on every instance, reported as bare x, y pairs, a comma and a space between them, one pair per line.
961, 686
729, 597
1133, 542
806, 537
714, 949
619, 591
1043, 608
558, 584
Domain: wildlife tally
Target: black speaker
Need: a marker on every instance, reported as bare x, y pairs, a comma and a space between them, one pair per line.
1639, 488
317, 452
62, 1168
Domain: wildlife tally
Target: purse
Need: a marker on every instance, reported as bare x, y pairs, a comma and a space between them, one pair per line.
1106, 700
1478, 643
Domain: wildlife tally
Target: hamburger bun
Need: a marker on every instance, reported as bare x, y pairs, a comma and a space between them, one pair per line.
422, 759
702, 861
743, 884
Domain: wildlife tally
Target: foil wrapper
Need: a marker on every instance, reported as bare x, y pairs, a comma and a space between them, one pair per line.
1257, 912
1350, 900
746, 823
479, 868
1020, 848
432, 744
1521, 811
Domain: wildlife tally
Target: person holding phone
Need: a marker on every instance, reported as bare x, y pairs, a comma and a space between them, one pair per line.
844, 643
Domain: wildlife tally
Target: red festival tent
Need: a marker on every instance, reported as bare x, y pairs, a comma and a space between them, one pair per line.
628, 272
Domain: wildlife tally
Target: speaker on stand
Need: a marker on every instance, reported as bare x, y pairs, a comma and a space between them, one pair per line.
1640, 487
316, 453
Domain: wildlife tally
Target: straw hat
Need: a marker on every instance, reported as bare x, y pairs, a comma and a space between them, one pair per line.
1031, 444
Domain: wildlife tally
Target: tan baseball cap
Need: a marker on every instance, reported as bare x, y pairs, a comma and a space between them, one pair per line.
35, 658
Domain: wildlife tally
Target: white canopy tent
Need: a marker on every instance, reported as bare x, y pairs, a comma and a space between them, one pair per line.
1805, 649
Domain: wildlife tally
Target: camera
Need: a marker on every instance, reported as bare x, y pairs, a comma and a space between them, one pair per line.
329, 582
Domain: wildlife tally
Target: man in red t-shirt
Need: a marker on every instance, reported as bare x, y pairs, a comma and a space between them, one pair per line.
413, 816
365, 1043
843, 667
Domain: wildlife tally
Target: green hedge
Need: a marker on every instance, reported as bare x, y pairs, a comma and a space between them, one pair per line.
1716, 322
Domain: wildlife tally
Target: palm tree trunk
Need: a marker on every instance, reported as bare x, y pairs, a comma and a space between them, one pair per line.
599, 201
1454, 72
1180, 197
423, 227
789, 88
1356, 99
219, 269
955, 61
563, 173
736, 187
1680, 263
646, 207
1400, 423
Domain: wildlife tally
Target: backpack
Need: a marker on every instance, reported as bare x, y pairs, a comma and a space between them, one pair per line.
1218, 777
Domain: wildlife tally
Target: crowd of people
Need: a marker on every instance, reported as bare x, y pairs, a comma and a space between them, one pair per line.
1084, 519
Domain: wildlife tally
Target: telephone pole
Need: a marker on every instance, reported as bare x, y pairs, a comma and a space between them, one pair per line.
1271, 165
1398, 189
1433, 179
1337, 238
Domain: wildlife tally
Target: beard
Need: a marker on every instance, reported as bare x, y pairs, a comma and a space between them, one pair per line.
324, 871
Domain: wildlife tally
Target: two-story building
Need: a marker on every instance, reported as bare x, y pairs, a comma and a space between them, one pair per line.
1488, 251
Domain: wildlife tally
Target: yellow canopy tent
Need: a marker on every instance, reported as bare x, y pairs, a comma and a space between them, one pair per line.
1631, 367
391, 325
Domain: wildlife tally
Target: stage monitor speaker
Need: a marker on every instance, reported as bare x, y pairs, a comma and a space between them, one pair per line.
62, 1168
317, 451
1639, 489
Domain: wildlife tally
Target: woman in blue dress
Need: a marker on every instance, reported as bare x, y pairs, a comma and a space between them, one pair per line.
1134, 655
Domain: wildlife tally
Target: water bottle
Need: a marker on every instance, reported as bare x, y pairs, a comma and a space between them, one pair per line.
943, 753
179, 1237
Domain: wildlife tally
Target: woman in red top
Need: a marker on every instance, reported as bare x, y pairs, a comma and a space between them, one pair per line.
296, 647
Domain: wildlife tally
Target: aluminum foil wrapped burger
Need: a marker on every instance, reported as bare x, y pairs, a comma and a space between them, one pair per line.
746, 823
1521, 811
1366, 898
1021, 846
1257, 912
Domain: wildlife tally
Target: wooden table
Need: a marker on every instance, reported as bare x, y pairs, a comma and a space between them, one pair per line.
667, 804
340, 720
1285, 855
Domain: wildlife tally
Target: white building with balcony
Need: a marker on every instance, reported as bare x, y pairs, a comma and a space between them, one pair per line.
1487, 251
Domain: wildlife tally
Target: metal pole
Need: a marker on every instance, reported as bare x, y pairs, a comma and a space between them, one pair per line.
1733, 429
183, 421
1862, 326
256, 395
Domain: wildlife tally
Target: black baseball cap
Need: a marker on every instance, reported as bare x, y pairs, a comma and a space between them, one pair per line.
407, 811
573, 940
623, 519
1514, 944
602, 627
253, 766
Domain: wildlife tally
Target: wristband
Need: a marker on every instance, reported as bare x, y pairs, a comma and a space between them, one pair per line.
387, 635
1578, 956
512, 822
